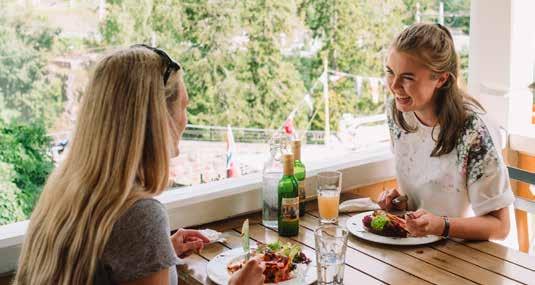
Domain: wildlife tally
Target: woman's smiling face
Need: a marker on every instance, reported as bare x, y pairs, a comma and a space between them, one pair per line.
412, 84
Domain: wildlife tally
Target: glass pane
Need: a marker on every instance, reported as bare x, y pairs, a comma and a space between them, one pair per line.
312, 69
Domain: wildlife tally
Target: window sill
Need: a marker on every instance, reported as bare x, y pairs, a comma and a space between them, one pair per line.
219, 200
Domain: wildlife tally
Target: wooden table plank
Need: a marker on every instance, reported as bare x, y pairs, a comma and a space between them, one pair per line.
363, 263
502, 252
395, 257
497, 250
233, 222
458, 266
193, 271
445, 262
489, 262
265, 235
452, 263
7, 279
234, 240
212, 250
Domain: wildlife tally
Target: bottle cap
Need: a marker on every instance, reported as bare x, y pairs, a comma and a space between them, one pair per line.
296, 149
287, 157
288, 163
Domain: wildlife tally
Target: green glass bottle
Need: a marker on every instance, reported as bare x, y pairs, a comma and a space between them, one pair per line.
288, 195
300, 175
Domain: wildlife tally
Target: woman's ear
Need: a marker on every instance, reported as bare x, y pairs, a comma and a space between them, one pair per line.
442, 79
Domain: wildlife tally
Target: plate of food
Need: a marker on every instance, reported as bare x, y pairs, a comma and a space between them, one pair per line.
383, 227
285, 264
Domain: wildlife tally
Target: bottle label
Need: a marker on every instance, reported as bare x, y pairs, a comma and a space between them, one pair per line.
290, 209
302, 192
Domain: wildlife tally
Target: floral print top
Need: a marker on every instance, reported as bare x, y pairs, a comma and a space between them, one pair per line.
470, 180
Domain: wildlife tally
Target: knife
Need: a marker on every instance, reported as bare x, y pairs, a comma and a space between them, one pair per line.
245, 239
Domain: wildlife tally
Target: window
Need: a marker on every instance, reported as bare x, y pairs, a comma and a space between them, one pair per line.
251, 68
247, 65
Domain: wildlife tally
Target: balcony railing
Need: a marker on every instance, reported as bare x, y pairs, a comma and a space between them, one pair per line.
245, 135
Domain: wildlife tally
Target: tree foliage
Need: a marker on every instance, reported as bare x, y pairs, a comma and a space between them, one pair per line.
25, 164
247, 63
27, 90
240, 66
10, 208
355, 36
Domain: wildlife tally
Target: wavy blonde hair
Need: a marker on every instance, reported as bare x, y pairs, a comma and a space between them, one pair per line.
432, 45
120, 153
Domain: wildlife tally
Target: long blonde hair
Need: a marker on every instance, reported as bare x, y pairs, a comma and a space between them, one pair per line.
120, 153
433, 45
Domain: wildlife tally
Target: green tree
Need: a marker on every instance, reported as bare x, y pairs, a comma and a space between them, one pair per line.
234, 58
230, 51
277, 83
26, 148
129, 21
426, 7
355, 36
460, 8
27, 90
10, 208
213, 61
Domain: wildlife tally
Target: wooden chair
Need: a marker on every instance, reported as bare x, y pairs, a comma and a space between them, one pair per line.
524, 203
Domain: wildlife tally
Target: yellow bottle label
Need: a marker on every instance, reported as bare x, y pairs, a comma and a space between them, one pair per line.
290, 209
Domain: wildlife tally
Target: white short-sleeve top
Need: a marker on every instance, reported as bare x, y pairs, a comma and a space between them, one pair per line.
470, 180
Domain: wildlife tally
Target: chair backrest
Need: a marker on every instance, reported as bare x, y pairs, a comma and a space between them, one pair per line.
526, 177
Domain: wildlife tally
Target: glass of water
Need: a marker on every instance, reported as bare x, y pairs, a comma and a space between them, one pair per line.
331, 244
329, 187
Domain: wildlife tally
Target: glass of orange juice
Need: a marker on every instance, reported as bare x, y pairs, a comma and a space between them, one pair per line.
329, 187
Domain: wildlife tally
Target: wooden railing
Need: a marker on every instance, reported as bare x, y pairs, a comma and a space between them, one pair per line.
526, 162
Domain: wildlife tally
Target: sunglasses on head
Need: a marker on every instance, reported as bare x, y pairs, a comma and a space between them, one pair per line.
171, 64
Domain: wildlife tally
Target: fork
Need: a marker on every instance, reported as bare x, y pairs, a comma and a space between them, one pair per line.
400, 199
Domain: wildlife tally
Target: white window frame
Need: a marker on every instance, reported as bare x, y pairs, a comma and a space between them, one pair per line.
501, 65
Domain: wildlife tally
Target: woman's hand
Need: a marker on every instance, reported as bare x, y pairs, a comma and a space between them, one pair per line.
385, 201
187, 242
422, 223
250, 274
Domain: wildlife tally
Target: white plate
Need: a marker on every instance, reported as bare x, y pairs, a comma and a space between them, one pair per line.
218, 273
355, 226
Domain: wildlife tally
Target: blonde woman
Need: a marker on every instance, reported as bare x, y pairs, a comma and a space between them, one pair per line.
447, 151
96, 221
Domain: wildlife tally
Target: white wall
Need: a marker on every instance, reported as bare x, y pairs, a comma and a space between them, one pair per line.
489, 44
502, 53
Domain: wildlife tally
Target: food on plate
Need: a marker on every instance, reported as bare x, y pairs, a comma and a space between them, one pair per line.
281, 260
385, 224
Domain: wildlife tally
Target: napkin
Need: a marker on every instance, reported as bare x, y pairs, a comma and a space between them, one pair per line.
358, 205
212, 235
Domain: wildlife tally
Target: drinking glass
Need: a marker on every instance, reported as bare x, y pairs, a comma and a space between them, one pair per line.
331, 244
329, 187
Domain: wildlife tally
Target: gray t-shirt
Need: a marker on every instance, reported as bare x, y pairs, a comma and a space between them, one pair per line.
138, 246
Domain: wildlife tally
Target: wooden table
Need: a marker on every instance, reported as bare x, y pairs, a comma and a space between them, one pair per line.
443, 262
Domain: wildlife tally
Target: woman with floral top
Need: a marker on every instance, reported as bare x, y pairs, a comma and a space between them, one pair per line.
447, 154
